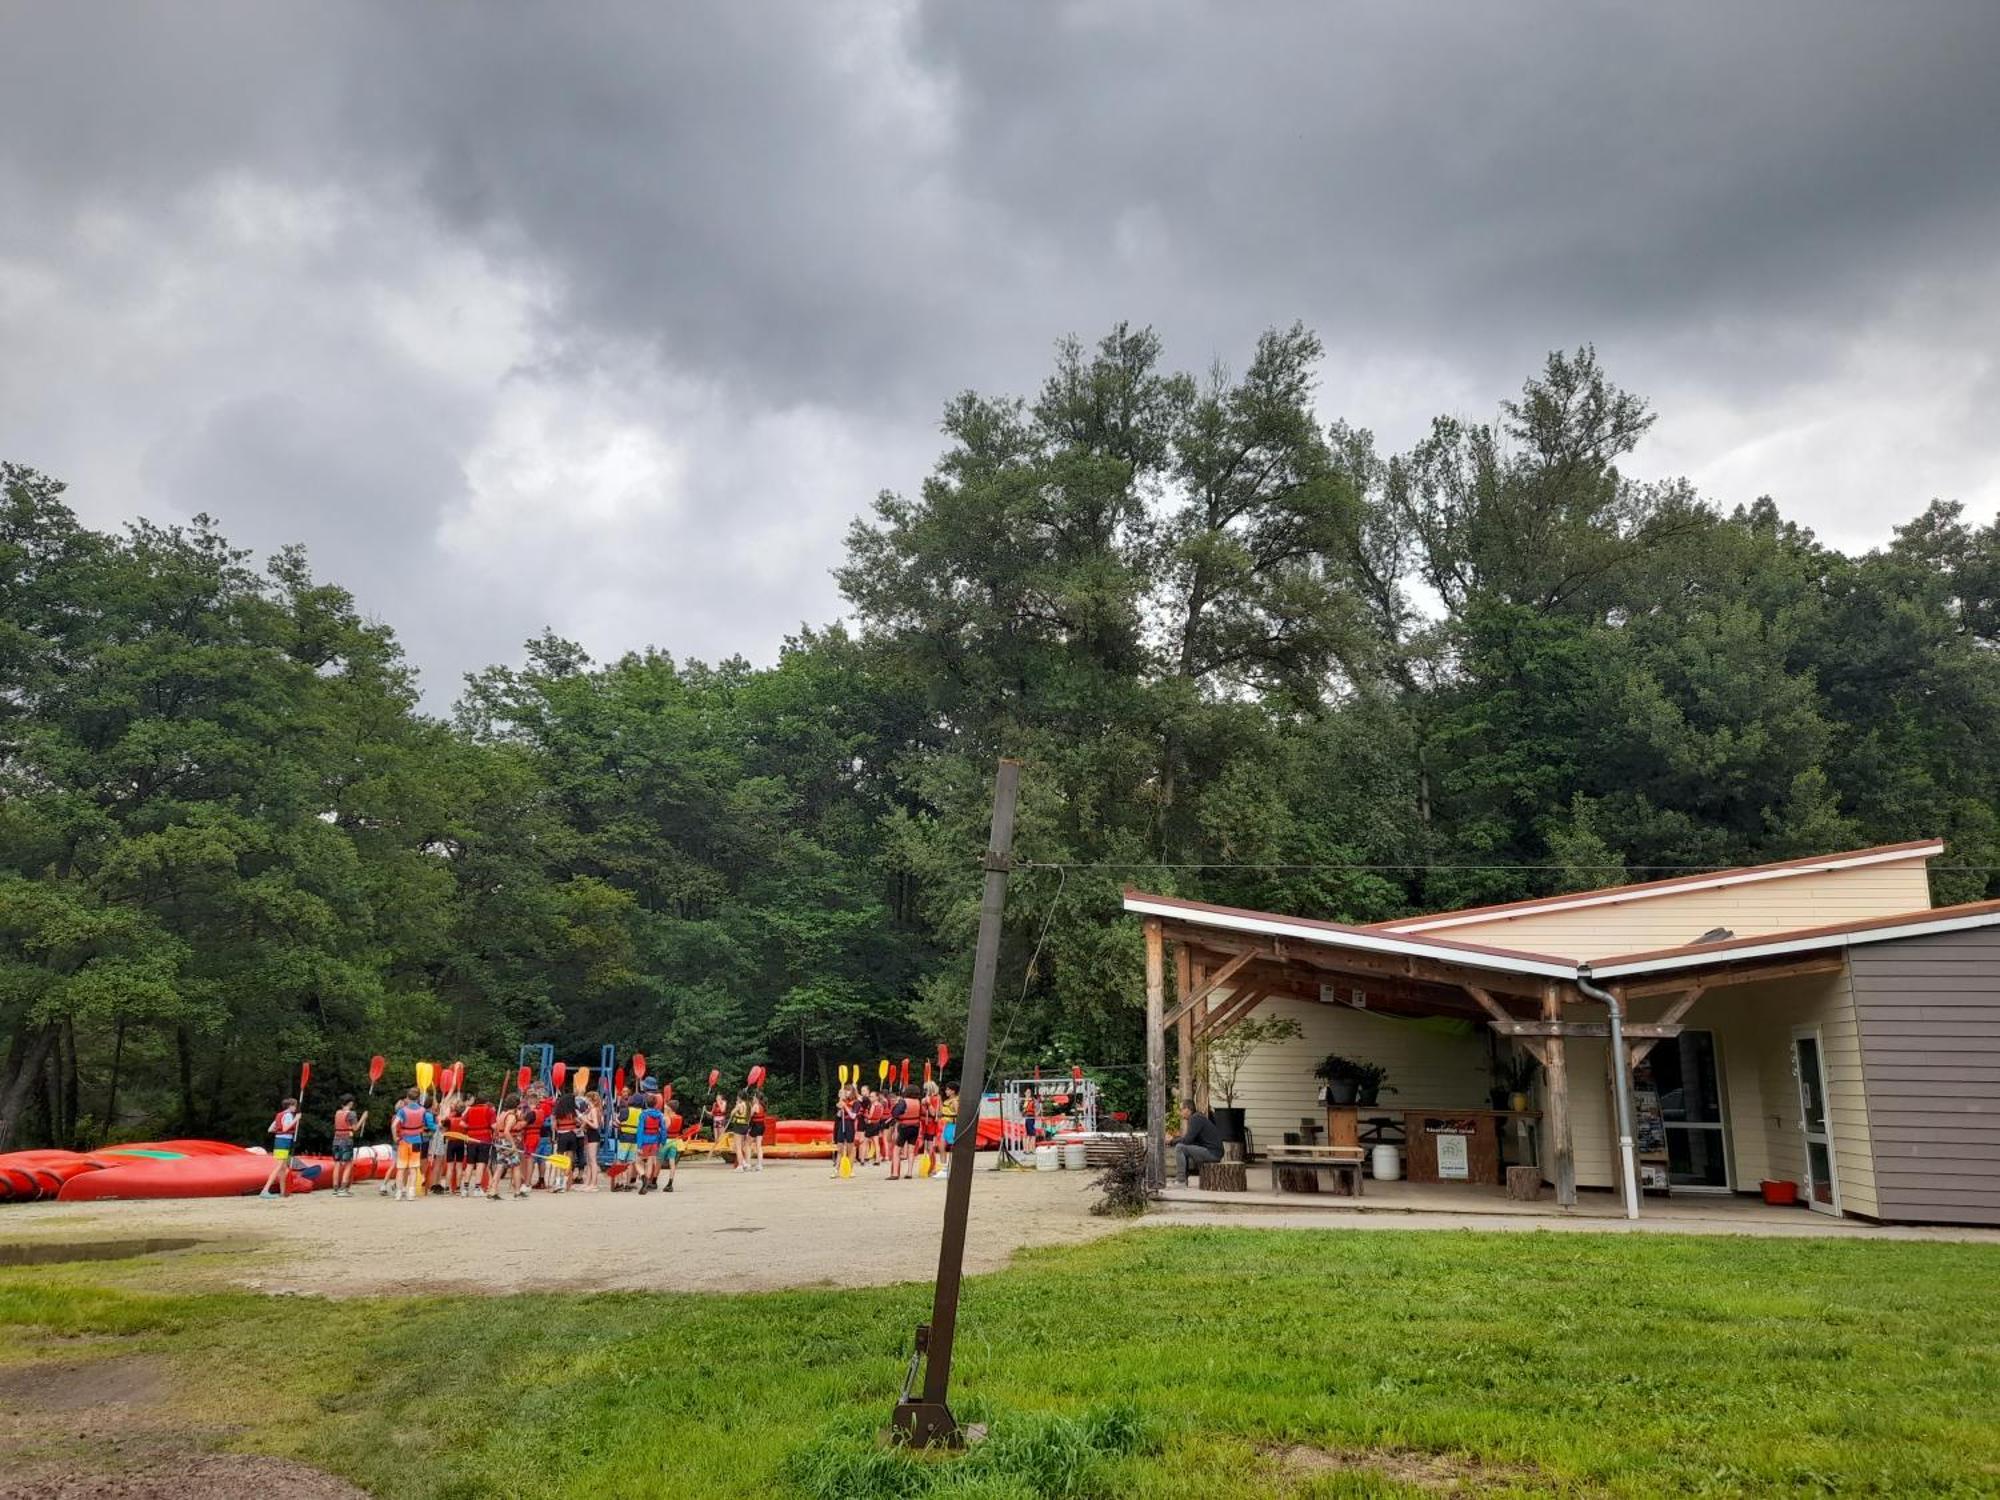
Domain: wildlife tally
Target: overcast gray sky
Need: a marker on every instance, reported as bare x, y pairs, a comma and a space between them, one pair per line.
611, 316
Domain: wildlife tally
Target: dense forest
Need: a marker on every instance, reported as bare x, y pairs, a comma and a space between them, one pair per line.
1245, 656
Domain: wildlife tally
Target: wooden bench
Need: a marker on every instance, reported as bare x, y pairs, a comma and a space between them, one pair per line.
1297, 1168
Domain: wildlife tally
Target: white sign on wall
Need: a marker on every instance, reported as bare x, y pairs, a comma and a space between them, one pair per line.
1453, 1165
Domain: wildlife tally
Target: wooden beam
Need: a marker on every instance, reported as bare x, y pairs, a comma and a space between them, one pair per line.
1650, 1031
1234, 1009
1184, 983
1502, 1017
1712, 979
1156, 1055
1555, 1068
1196, 996
1675, 1013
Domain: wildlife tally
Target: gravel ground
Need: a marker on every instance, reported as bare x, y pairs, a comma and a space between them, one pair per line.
790, 1225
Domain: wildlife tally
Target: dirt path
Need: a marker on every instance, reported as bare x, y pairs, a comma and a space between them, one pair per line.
790, 1225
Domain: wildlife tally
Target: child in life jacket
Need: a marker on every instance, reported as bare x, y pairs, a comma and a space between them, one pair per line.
651, 1129
347, 1126
283, 1130
739, 1130
930, 1127
411, 1125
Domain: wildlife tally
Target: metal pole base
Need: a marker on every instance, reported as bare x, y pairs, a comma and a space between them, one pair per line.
927, 1424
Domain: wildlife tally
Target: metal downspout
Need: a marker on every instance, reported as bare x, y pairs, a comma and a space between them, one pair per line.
1621, 1073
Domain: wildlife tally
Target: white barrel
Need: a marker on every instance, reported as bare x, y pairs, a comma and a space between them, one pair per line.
1048, 1158
1388, 1163
1076, 1156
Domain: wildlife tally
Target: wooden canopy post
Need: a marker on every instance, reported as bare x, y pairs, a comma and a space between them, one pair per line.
1184, 983
1555, 1066
1156, 1054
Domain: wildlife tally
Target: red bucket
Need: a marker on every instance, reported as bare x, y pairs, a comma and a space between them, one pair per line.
1780, 1194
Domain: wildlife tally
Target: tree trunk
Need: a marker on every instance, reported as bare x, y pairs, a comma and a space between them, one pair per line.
111, 1094
24, 1064
185, 1050
72, 1084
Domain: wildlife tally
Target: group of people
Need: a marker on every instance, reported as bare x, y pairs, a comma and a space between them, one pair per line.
469, 1146
910, 1129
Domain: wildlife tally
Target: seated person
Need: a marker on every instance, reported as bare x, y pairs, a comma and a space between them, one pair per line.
1200, 1141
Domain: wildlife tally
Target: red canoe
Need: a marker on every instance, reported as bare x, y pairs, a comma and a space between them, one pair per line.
190, 1177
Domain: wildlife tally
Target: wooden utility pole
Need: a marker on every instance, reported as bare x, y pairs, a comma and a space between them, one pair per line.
928, 1421
1156, 1054
1561, 1151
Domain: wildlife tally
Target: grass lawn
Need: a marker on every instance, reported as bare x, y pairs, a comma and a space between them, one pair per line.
1184, 1362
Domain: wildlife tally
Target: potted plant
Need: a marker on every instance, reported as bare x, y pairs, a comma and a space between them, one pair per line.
1342, 1078
1371, 1080
1516, 1079
1223, 1060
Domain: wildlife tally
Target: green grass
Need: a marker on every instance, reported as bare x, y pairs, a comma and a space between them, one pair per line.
1160, 1362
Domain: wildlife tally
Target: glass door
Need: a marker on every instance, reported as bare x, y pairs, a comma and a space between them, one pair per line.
1809, 1068
1689, 1086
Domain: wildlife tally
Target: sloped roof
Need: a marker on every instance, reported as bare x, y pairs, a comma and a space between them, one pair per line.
1340, 935
1853, 934
1689, 956
1646, 890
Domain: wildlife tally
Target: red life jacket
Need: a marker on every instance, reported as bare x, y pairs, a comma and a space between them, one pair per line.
410, 1122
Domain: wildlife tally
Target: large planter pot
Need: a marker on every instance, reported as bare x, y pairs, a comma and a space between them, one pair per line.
1231, 1122
1341, 1092
1367, 1098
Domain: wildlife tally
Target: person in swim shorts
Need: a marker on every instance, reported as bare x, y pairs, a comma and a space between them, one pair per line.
347, 1125
648, 1131
283, 1130
843, 1129
410, 1125
477, 1119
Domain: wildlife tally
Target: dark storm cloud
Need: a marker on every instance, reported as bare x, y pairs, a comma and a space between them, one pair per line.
611, 315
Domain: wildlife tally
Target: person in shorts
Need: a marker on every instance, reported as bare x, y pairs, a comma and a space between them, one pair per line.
739, 1131
874, 1115
759, 1118
930, 1127
649, 1132
452, 1127
411, 1128
477, 1119
347, 1124
843, 1129
907, 1112
283, 1130
568, 1126
590, 1120
718, 1115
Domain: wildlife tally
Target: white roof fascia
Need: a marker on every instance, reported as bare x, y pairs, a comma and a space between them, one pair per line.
1365, 942
1780, 946
1628, 893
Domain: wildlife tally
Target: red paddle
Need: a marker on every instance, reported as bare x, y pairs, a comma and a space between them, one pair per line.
559, 1073
944, 1057
618, 1081
639, 1065
1077, 1072
714, 1077
927, 1070
375, 1066
305, 1076
522, 1078
667, 1093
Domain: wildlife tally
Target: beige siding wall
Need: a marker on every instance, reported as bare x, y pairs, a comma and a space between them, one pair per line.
1666, 921
1426, 1067
1753, 1039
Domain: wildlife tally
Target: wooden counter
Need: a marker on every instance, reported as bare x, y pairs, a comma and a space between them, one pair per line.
1431, 1132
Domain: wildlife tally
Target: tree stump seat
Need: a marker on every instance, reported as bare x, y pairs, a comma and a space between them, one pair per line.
1224, 1177
1524, 1183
